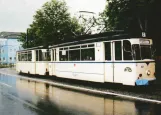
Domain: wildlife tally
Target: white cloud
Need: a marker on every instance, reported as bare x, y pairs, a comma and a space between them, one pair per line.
86, 5
16, 15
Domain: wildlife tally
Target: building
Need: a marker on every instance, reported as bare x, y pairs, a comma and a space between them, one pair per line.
9, 45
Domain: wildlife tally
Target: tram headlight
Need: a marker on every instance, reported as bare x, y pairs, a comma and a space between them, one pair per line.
148, 72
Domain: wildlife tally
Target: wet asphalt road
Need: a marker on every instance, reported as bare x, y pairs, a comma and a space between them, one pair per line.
23, 97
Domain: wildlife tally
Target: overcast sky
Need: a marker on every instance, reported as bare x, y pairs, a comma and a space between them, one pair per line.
16, 15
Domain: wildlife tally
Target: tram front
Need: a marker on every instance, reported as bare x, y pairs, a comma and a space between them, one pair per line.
143, 55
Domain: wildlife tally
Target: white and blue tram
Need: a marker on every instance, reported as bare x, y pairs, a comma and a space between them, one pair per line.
125, 61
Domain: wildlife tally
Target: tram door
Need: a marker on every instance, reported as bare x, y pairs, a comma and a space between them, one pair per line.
113, 59
52, 65
117, 61
109, 65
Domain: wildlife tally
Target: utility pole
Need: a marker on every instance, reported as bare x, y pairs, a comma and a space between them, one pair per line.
27, 38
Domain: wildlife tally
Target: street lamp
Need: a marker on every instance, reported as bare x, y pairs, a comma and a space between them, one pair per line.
27, 37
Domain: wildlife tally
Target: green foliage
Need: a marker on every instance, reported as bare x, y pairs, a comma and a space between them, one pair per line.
52, 24
130, 15
134, 16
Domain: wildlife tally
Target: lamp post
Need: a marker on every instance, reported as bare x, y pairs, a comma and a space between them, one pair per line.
27, 35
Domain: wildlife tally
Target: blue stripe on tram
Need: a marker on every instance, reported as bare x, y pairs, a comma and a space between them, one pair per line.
101, 62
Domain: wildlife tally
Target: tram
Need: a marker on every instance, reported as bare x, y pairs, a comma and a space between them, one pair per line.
33, 61
114, 59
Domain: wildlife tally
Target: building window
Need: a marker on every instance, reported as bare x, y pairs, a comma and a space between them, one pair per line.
10, 58
4, 59
14, 58
2, 50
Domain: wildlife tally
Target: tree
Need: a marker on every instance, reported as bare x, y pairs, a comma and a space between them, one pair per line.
131, 15
134, 16
53, 24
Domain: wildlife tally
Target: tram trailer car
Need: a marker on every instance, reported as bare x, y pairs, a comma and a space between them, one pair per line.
125, 61
33, 61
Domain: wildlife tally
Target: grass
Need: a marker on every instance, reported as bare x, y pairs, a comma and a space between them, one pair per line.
6, 66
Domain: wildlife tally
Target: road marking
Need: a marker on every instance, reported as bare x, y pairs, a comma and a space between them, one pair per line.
5, 84
86, 89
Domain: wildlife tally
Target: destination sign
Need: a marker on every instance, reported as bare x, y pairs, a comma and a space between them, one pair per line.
146, 42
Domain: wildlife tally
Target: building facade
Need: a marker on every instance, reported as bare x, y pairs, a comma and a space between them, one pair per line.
9, 45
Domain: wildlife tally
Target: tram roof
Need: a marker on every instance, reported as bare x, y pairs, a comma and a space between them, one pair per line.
33, 48
94, 38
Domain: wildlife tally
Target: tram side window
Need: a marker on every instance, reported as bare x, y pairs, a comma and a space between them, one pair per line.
87, 54
74, 55
24, 56
48, 55
41, 56
63, 55
54, 54
127, 50
19, 56
29, 56
118, 50
107, 50
37, 55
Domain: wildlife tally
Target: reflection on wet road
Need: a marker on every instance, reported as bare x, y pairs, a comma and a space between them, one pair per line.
23, 97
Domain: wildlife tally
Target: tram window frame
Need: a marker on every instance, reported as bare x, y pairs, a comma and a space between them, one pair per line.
24, 56
54, 54
66, 48
91, 45
108, 53
118, 51
127, 50
19, 56
29, 56
37, 55
84, 46
77, 57
40, 55
63, 57
87, 56
61, 48
48, 55
43, 55
74, 47
137, 54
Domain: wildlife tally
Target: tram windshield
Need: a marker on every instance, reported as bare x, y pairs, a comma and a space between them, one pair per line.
136, 51
141, 52
146, 52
